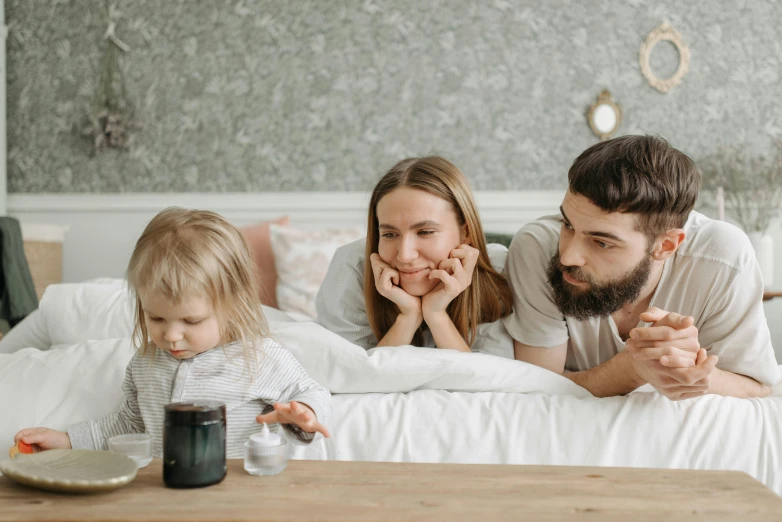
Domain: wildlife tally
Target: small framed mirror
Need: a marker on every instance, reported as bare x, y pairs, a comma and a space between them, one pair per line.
604, 116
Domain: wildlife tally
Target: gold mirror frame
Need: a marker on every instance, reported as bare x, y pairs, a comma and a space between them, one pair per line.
604, 98
664, 32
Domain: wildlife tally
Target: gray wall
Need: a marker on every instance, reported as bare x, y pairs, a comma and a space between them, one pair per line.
321, 95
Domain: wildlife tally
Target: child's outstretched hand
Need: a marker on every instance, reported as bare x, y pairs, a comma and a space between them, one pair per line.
44, 438
294, 413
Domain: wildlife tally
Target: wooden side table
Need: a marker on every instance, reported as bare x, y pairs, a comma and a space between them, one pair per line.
334, 490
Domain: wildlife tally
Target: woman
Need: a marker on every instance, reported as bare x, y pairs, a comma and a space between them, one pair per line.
430, 279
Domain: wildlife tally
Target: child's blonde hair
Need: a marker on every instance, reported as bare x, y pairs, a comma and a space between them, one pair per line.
196, 253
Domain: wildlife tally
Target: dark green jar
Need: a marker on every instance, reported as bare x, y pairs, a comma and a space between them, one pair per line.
194, 444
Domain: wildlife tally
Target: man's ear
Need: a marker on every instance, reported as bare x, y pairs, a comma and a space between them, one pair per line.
668, 243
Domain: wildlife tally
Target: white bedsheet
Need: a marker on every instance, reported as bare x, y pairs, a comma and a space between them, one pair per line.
403, 403
642, 430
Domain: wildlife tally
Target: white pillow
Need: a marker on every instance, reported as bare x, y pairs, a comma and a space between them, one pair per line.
74, 312
61, 386
29, 333
79, 312
274, 315
302, 259
344, 367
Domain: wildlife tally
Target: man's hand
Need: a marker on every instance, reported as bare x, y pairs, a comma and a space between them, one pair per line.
671, 340
679, 383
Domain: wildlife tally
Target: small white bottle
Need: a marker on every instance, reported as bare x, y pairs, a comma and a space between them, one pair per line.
265, 453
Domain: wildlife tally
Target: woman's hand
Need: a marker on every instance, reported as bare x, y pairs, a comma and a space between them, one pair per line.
44, 438
294, 413
455, 275
387, 284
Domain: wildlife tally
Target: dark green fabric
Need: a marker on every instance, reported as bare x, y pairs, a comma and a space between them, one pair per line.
503, 239
17, 291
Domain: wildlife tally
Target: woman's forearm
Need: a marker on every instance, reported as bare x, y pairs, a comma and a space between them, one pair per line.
445, 333
403, 330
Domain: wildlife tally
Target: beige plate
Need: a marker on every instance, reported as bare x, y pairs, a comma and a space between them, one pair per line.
71, 471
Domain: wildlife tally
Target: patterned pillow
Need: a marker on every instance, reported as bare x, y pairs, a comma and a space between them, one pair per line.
302, 259
257, 237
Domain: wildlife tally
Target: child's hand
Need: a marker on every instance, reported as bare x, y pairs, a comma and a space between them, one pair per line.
44, 438
294, 413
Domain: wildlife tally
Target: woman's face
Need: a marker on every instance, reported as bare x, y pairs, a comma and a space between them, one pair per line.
417, 231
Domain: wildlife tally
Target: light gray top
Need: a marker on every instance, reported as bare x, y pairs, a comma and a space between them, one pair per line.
219, 374
714, 277
341, 307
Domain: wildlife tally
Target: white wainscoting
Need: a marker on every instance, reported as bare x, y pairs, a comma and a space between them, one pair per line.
103, 228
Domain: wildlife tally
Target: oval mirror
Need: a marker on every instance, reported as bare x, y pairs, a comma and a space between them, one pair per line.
664, 32
604, 116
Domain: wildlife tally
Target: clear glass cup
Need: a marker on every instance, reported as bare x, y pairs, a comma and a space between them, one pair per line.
137, 446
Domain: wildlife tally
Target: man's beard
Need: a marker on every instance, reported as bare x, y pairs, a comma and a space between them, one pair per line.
600, 299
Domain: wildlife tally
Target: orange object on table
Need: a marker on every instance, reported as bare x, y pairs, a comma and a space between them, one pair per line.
21, 447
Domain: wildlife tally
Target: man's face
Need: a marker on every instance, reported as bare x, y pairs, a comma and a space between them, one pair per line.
603, 261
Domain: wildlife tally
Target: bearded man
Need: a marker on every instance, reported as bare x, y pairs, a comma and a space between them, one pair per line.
629, 285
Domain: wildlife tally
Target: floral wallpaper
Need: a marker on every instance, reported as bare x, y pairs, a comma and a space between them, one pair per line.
303, 95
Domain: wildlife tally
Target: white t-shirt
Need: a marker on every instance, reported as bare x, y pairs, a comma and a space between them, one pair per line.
341, 307
713, 276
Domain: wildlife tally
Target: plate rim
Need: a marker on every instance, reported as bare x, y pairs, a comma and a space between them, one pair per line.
10, 467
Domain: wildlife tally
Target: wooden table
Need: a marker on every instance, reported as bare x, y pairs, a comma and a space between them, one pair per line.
330, 490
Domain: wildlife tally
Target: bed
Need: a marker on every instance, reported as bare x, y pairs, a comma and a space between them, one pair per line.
65, 363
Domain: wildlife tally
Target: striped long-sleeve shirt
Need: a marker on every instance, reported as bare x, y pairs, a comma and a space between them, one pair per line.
219, 374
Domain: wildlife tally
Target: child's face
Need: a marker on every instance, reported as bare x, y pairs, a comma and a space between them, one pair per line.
185, 329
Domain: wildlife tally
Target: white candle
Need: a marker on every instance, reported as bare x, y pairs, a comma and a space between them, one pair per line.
264, 438
720, 202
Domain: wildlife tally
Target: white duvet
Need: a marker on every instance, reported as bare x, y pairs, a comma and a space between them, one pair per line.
66, 363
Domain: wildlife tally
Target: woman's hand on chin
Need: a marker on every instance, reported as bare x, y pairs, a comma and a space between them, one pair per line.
455, 275
387, 284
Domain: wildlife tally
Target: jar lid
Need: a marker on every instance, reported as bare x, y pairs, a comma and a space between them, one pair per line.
190, 413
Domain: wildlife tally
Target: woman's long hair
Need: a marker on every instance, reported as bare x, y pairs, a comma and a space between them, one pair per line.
488, 297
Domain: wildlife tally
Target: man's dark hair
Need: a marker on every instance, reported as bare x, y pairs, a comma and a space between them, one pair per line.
641, 175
